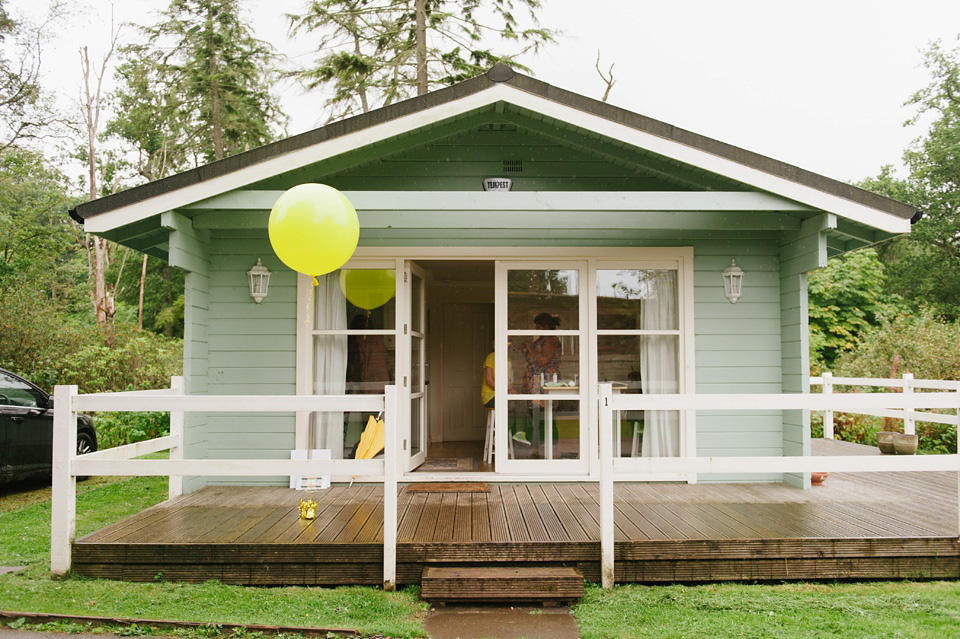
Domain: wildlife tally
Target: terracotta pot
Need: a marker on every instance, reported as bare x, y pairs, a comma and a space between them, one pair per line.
885, 442
905, 444
816, 479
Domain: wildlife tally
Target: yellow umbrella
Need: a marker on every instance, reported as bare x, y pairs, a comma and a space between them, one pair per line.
371, 440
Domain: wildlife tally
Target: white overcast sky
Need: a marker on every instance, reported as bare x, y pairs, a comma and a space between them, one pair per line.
820, 83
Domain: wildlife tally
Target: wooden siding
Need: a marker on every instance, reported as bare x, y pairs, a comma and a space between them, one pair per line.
737, 349
189, 249
800, 253
252, 350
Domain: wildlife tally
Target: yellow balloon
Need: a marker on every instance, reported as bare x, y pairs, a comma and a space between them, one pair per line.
313, 229
368, 288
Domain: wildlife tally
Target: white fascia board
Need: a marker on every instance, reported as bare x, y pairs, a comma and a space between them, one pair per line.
501, 92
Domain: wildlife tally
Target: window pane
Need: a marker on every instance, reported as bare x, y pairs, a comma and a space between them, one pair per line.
534, 358
549, 298
639, 363
340, 432
647, 433
354, 364
357, 299
632, 299
530, 422
13, 392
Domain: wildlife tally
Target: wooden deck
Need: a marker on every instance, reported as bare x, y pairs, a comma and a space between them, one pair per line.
868, 525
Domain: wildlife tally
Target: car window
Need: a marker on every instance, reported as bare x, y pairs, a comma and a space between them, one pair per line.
14, 392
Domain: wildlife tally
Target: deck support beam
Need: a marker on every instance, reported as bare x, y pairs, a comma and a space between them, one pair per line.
606, 487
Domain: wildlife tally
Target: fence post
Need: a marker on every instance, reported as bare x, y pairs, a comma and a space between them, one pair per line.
828, 414
909, 425
63, 510
175, 483
606, 487
390, 460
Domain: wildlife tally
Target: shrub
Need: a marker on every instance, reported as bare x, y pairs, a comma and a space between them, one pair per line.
117, 429
927, 347
49, 348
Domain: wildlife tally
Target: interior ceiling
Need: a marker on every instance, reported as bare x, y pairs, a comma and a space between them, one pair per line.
459, 270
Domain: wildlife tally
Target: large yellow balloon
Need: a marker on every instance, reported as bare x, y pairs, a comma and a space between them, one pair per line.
368, 288
313, 229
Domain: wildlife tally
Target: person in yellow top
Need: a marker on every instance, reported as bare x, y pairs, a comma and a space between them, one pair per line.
487, 391
486, 386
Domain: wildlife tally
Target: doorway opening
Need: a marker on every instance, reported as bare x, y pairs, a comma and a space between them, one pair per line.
460, 333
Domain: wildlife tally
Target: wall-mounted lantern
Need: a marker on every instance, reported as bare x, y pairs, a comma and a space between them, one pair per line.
732, 281
259, 281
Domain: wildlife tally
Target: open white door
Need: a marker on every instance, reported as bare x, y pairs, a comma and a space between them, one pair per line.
412, 351
541, 312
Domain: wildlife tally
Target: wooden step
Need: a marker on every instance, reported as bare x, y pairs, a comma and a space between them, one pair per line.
494, 583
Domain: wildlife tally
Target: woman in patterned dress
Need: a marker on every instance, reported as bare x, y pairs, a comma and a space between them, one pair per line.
542, 355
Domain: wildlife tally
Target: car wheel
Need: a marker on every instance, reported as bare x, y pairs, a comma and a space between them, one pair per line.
85, 444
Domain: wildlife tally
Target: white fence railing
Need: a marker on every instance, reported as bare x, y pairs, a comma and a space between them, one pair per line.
628, 469
67, 466
910, 413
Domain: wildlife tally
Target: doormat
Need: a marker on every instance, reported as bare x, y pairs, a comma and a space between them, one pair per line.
448, 464
450, 487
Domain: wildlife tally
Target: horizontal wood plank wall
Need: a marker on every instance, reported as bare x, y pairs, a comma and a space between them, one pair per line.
536, 162
252, 351
737, 349
189, 249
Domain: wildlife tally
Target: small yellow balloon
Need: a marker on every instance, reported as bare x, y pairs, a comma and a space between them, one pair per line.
368, 288
313, 229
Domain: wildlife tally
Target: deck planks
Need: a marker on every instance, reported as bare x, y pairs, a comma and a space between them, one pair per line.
869, 524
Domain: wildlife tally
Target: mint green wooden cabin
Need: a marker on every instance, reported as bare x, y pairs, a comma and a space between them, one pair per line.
617, 225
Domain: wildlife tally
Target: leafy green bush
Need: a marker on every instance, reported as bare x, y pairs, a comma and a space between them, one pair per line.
926, 346
117, 429
48, 348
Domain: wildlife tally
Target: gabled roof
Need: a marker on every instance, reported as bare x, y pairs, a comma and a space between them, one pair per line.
500, 85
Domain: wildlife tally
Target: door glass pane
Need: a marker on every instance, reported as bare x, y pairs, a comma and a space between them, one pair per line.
632, 299
548, 429
416, 318
356, 298
415, 443
416, 358
543, 299
356, 363
535, 360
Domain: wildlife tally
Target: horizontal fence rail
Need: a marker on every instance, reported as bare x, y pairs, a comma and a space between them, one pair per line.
628, 469
120, 460
907, 412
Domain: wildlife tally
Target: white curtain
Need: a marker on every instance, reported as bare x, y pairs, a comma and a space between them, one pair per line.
659, 365
329, 361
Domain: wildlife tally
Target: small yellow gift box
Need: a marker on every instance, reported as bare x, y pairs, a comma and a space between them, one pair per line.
308, 509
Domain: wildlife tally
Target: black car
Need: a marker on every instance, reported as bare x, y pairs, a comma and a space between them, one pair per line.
26, 430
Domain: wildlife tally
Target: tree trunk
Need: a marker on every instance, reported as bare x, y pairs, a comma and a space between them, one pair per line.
421, 17
143, 279
216, 134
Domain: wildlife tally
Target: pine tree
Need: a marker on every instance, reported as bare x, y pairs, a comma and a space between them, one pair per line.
374, 52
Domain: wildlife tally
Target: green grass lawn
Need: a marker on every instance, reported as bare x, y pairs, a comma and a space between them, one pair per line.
928, 610
852, 611
25, 541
